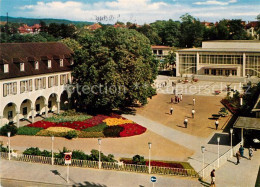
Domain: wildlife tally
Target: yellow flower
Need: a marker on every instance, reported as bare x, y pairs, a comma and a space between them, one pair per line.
116, 121
59, 129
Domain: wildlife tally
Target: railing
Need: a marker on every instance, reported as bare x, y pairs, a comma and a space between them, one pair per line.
104, 165
222, 160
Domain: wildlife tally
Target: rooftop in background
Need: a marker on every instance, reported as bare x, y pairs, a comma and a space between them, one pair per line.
231, 41
160, 47
247, 123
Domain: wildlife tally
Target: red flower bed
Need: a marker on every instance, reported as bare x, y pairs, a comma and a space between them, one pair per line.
77, 125
132, 129
228, 106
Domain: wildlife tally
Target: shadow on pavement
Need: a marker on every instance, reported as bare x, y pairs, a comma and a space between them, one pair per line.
203, 183
224, 139
232, 162
55, 172
88, 184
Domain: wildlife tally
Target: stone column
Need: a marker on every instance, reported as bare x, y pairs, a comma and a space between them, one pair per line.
46, 110
244, 65
197, 62
242, 136
58, 107
32, 114
177, 65
17, 119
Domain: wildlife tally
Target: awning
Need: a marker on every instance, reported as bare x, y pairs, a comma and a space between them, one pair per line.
247, 123
221, 67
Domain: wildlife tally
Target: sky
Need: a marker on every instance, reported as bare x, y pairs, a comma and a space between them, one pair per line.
135, 11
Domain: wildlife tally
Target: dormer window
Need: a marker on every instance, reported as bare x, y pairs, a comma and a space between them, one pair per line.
61, 62
36, 65
49, 63
21, 66
6, 68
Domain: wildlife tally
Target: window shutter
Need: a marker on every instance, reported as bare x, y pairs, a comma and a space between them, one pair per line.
49, 81
5, 90
21, 87
44, 82
36, 84
15, 88
30, 85
61, 82
56, 80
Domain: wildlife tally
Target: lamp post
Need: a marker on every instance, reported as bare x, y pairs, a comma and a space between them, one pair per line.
52, 141
218, 150
203, 150
231, 134
150, 146
99, 155
9, 154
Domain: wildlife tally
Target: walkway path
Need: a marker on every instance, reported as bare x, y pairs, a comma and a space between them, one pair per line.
85, 177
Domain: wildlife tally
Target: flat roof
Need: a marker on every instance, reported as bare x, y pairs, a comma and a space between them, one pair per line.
247, 123
160, 47
219, 50
241, 41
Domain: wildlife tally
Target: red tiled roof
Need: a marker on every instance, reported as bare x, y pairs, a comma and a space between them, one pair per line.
13, 53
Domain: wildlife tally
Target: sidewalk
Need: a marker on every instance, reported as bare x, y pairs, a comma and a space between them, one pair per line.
85, 177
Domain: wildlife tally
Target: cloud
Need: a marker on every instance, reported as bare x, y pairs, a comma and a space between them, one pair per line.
138, 11
214, 2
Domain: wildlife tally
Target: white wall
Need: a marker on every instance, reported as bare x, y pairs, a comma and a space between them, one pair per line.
229, 44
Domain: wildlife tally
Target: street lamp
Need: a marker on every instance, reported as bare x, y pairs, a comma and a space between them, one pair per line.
203, 150
99, 156
52, 141
231, 133
9, 154
218, 150
150, 146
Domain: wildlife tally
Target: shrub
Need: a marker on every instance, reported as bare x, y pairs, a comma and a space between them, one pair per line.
77, 154
71, 134
137, 159
8, 128
3, 149
46, 153
98, 128
32, 151
83, 134
28, 130
45, 132
113, 131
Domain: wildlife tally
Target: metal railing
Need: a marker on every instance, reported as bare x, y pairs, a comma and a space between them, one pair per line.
222, 160
104, 165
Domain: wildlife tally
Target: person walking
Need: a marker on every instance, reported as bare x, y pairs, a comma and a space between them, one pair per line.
171, 100
216, 124
176, 101
181, 97
186, 122
178, 98
241, 151
193, 101
212, 175
192, 113
238, 157
171, 110
250, 152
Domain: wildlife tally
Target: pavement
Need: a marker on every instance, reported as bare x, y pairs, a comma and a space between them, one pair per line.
47, 175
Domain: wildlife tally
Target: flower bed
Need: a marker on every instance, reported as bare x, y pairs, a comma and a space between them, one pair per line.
96, 126
227, 104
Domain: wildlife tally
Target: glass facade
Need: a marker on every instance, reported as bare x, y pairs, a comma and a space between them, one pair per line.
187, 63
220, 59
253, 65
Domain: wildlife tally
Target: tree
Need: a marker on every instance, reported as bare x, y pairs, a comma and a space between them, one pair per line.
237, 31
71, 43
192, 31
150, 33
116, 69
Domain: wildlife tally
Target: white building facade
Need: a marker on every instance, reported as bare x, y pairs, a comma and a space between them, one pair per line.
34, 78
220, 58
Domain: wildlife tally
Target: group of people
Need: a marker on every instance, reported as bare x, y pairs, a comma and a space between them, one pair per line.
177, 98
240, 153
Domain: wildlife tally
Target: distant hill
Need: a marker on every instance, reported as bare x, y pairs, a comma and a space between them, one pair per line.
32, 21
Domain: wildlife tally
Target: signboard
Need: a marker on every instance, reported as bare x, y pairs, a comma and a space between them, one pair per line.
67, 157
153, 179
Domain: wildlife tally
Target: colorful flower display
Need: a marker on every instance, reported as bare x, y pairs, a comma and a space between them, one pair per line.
132, 129
116, 121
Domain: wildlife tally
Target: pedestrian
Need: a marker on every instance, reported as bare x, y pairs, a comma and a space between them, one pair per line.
192, 113
250, 152
171, 100
193, 101
241, 151
216, 124
171, 110
178, 98
181, 97
174, 91
212, 175
238, 157
186, 122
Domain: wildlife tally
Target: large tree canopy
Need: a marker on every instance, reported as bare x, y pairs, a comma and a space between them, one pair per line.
116, 69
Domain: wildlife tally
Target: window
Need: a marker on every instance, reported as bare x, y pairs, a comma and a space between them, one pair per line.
234, 72
213, 72
61, 62
220, 72
26, 86
40, 83
206, 71
6, 68
37, 107
21, 66
36, 64
49, 63
9, 89
160, 52
64, 79
52, 81
155, 52
25, 111
10, 114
